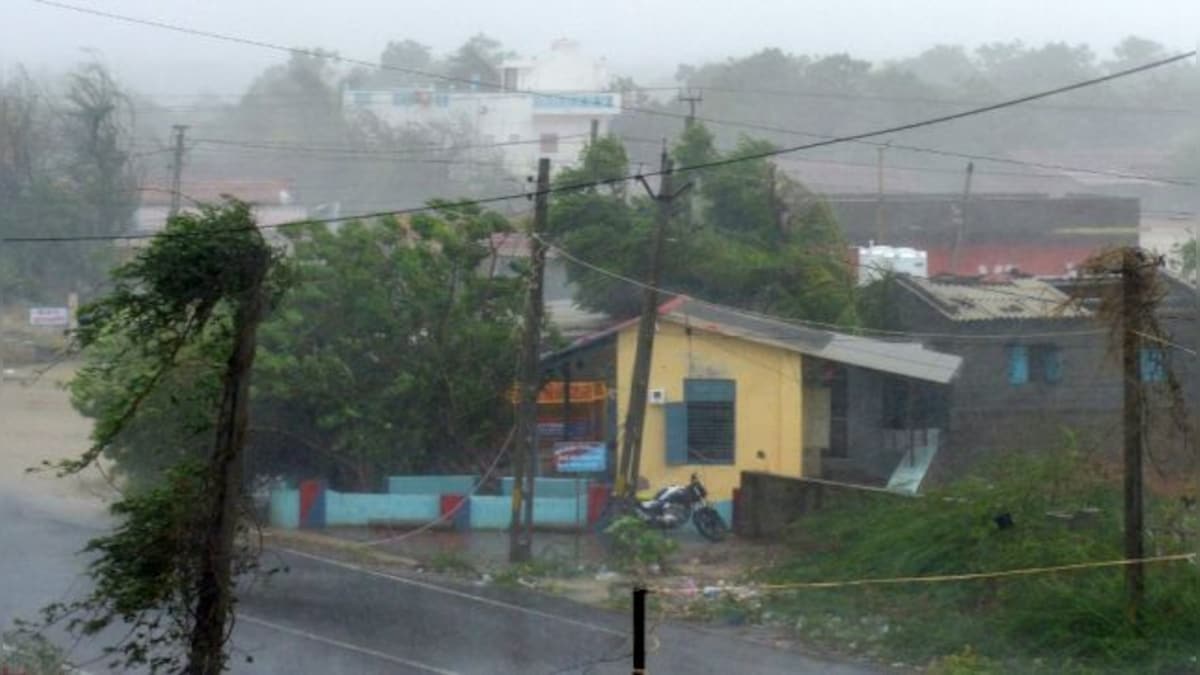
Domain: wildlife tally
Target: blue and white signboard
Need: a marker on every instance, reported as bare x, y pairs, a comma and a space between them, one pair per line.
576, 457
49, 316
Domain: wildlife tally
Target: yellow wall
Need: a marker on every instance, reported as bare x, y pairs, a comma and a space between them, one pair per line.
767, 413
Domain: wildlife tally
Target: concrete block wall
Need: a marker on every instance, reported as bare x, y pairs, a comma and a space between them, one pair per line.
550, 487
285, 509
352, 508
557, 504
431, 485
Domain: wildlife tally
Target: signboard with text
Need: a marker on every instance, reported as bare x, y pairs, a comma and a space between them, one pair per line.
49, 316
587, 457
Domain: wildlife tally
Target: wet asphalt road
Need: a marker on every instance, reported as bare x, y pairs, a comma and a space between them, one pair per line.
323, 616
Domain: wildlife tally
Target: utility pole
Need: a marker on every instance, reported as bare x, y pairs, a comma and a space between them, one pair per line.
177, 169
214, 588
692, 102
520, 543
595, 133
1133, 266
962, 219
639, 631
880, 230
635, 417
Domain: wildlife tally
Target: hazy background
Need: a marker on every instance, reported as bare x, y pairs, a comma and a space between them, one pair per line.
643, 39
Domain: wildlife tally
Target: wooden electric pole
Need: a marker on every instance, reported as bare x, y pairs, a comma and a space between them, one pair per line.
962, 219
525, 457
635, 416
214, 588
177, 170
880, 223
1133, 292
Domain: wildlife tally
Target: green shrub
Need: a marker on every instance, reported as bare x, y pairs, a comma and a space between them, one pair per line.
636, 546
1076, 617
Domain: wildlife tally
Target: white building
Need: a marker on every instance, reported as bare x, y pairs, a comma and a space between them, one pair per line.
546, 107
875, 260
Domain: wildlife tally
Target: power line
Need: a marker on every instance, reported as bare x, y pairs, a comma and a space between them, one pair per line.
805, 323
703, 165
789, 93
829, 139
432, 148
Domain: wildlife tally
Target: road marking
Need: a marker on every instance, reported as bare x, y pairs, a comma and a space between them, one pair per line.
344, 645
459, 594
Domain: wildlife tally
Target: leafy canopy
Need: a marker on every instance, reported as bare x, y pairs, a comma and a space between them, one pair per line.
747, 235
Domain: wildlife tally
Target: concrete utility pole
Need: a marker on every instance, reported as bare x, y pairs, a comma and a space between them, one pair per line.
962, 219
635, 417
520, 545
177, 169
595, 132
1132, 298
692, 102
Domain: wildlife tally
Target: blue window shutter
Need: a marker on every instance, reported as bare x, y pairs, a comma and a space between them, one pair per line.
708, 391
1152, 364
1018, 364
676, 428
1052, 365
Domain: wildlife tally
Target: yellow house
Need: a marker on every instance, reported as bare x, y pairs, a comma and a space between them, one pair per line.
731, 391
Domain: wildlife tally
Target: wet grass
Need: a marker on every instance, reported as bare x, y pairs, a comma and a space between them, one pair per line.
1060, 622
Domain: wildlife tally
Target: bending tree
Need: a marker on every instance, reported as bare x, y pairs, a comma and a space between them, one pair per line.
167, 570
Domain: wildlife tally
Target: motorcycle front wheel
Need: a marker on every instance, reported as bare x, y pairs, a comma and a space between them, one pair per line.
709, 524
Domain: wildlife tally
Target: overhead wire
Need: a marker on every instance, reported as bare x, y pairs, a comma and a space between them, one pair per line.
695, 167
804, 323
829, 140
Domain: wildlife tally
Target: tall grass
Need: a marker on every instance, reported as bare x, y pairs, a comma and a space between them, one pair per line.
1063, 510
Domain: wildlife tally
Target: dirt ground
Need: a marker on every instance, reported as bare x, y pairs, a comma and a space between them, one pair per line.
37, 424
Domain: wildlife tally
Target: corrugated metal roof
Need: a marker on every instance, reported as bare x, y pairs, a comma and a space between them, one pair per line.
963, 299
908, 359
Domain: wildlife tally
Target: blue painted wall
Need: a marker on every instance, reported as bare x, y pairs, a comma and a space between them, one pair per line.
349, 508
431, 485
495, 512
285, 508
549, 487
490, 512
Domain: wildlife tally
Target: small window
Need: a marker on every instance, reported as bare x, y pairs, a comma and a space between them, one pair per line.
710, 421
1018, 364
1049, 363
510, 79
362, 98
700, 430
549, 143
1153, 364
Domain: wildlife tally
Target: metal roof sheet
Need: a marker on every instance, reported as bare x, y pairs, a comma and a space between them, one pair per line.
908, 359
963, 299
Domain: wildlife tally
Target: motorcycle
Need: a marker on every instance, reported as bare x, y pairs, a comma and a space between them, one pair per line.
671, 507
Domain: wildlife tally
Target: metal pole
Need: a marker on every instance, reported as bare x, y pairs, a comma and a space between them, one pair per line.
639, 631
177, 170
962, 220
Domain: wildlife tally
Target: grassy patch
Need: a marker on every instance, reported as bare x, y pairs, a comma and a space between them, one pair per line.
1062, 511
450, 562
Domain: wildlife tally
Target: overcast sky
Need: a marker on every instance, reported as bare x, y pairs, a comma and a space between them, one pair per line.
647, 39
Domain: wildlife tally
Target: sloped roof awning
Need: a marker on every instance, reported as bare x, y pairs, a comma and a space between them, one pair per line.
906, 359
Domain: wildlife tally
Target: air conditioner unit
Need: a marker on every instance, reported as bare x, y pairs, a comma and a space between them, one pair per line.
657, 396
